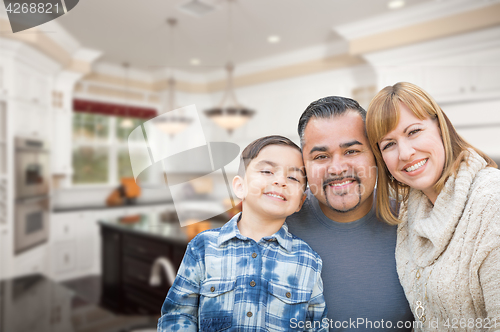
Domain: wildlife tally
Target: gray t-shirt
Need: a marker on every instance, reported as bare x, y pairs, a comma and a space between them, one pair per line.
361, 285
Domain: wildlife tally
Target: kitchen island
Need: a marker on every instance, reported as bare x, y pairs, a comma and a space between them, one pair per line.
129, 250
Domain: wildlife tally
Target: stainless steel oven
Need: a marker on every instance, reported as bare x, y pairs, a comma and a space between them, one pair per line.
32, 222
32, 168
32, 194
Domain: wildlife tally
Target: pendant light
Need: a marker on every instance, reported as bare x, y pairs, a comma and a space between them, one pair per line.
229, 114
126, 123
173, 120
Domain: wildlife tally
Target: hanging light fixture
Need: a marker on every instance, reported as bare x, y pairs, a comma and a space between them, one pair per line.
126, 123
173, 120
229, 114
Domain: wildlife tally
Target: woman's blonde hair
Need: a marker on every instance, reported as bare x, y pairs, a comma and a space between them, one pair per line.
383, 116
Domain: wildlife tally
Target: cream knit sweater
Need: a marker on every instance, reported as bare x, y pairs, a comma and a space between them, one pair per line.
455, 245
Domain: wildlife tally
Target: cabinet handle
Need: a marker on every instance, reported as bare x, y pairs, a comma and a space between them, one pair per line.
66, 259
473, 88
66, 229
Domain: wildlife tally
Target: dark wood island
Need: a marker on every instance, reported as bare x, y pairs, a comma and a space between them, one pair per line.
128, 254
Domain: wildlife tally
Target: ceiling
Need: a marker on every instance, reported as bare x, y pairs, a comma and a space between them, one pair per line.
136, 31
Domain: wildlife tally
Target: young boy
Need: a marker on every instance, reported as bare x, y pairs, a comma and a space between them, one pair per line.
252, 274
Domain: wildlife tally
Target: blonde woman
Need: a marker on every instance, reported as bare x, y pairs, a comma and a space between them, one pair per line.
448, 247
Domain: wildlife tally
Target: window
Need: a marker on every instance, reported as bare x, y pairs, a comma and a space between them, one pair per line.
100, 149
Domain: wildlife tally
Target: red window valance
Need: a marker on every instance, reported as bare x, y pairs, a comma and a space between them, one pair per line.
96, 107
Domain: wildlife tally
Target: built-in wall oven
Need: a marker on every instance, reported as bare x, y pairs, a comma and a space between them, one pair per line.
32, 193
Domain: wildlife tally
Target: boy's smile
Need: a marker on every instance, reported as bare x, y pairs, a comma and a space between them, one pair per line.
274, 183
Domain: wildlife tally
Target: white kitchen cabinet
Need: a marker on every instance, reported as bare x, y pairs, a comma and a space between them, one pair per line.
485, 77
32, 261
65, 257
446, 81
75, 245
462, 77
74, 242
61, 142
65, 227
31, 85
31, 120
5, 237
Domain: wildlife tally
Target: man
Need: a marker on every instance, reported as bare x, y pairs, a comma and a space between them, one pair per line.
338, 221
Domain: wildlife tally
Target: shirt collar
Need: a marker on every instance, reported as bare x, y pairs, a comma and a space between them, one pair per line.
230, 230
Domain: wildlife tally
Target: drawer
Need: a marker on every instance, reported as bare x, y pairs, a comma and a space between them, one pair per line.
65, 257
65, 230
144, 248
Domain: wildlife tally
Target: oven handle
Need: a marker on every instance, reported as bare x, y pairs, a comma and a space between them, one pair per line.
44, 201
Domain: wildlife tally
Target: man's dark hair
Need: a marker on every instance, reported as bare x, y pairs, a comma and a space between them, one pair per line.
328, 107
253, 149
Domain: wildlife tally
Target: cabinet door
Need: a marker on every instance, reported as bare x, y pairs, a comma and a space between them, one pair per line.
486, 74
64, 227
79, 231
30, 120
22, 77
4, 240
447, 81
87, 241
65, 257
111, 268
61, 142
31, 85
40, 88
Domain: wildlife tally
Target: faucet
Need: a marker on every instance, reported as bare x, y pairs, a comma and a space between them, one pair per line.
162, 263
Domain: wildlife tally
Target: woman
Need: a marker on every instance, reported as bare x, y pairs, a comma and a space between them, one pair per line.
448, 248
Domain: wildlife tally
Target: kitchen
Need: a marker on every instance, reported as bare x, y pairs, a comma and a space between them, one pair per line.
73, 91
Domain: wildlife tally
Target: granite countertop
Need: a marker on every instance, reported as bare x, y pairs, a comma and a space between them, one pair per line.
150, 225
105, 207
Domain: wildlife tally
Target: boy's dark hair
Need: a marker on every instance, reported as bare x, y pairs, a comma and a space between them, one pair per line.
328, 107
253, 149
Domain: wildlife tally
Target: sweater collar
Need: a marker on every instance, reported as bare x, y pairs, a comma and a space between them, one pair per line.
432, 227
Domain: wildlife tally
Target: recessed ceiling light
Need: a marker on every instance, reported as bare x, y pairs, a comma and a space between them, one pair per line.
195, 62
395, 4
273, 39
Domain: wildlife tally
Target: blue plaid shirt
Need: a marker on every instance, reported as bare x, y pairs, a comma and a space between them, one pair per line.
229, 281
